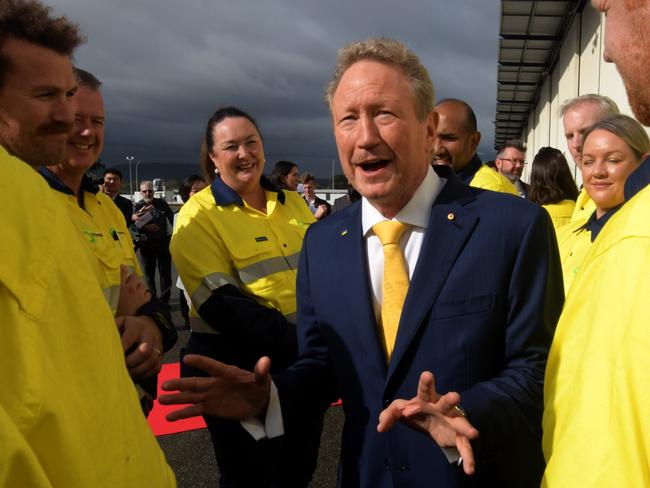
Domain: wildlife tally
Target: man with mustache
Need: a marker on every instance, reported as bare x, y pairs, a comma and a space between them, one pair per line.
69, 414
152, 216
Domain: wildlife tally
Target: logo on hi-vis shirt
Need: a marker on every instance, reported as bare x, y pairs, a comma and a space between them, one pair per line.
92, 236
261, 239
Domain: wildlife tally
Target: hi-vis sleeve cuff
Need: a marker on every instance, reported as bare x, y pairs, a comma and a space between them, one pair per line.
273, 425
209, 284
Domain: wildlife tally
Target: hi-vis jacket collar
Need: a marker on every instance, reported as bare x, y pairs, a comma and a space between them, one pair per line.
224, 195
56, 184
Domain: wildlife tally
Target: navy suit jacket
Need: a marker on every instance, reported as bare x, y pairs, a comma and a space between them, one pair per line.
479, 314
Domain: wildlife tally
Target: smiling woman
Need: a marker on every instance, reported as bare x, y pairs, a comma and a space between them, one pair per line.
236, 248
611, 150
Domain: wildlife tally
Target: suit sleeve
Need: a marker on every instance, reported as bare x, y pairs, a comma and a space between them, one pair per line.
308, 386
507, 409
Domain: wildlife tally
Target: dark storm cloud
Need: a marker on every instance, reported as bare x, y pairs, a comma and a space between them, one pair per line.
166, 65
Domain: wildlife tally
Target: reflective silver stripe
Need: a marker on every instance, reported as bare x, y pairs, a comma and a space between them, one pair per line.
197, 324
261, 269
209, 284
292, 317
112, 296
294, 259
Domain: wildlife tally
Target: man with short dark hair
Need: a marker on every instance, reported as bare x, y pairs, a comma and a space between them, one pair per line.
69, 414
440, 279
510, 162
596, 391
456, 142
319, 207
112, 186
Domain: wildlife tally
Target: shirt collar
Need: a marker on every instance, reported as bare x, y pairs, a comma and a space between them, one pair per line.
638, 180
416, 212
224, 195
595, 225
467, 173
56, 184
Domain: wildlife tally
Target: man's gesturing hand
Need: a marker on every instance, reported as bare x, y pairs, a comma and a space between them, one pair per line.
435, 415
229, 392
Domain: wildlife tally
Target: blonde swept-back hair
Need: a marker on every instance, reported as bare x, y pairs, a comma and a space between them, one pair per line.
391, 52
607, 106
627, 129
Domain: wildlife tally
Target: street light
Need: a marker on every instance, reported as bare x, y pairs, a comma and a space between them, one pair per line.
130, 160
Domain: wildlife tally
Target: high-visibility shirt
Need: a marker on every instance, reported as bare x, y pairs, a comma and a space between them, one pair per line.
573, 241
69, 414
479, 175
560, 212
583, 209
101, 225
220, 240
596, 392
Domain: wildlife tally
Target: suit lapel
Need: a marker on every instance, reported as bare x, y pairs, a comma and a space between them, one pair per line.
450, 226
354, 264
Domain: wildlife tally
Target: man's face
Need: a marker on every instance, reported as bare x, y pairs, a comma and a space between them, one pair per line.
384, 148
36, 103
627, 44
455, 144
112, 183
511, 163
86, 141
309, 189
576, 121
147, 192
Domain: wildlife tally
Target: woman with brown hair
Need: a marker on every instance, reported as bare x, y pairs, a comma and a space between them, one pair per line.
552, 186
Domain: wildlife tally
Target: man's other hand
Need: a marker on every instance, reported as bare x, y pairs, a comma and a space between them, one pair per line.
438, 416
230, 392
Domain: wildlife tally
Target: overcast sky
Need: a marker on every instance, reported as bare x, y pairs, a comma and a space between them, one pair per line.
167, 65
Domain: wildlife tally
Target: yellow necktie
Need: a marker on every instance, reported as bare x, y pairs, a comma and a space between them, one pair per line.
395, 283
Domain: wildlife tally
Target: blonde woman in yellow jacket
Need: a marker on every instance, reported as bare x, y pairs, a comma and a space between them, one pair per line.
612, 149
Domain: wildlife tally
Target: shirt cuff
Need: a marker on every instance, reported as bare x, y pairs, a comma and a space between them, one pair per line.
273, 425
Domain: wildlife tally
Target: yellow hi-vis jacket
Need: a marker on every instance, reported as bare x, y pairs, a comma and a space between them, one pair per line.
69, 414
573, 241
220, 240
479, 175
583, 209
101, 226
560, 212
597, 385
489, 179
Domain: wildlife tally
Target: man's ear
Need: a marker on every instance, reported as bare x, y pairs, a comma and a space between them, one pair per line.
474, 141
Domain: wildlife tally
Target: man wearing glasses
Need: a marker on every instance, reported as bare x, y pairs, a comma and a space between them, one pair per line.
510, 162
150, 217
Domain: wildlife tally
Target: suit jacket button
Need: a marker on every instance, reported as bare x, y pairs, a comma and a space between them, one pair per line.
402, 468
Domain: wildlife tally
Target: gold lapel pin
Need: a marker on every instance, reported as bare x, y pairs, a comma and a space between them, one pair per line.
451, 216
344, 233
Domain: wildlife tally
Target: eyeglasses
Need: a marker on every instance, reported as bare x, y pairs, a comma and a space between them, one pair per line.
515, 161
146, 191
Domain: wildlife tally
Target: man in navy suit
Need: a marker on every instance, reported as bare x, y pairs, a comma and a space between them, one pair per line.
484, 296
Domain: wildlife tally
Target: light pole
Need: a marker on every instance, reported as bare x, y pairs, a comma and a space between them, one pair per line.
130, 160
136, 172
